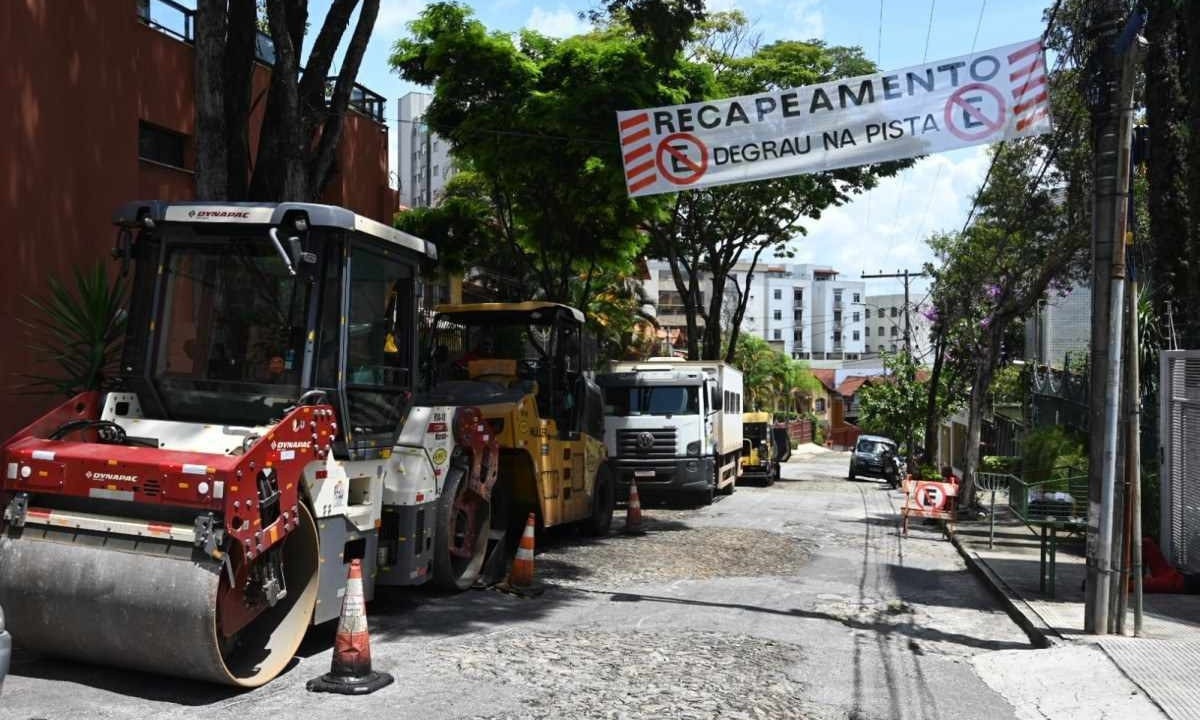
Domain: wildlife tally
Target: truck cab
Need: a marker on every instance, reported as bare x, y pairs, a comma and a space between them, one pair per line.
674, 427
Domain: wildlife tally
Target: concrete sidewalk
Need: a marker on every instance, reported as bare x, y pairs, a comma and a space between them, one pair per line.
1164, 662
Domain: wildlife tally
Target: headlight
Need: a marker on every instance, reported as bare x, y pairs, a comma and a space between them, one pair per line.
693, 448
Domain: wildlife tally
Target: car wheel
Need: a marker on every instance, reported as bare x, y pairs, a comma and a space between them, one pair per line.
851, 475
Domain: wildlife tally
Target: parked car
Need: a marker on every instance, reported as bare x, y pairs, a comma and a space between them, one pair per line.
875, 456
5, 650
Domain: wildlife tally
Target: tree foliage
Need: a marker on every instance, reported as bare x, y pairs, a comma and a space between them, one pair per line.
894, 403
769, 377
304, 114
533, 118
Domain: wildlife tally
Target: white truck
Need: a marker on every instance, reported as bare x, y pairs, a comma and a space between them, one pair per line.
674, 425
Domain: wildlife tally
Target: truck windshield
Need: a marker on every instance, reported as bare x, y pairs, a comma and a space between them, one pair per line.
661, 400
755, 431
232, 328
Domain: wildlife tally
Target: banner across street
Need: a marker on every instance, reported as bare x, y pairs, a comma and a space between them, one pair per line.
998, 94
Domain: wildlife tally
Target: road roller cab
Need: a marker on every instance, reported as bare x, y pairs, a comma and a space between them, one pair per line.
759, 456
528, 367
196, 517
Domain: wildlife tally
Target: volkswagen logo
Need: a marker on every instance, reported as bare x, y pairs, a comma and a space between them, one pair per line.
645, 440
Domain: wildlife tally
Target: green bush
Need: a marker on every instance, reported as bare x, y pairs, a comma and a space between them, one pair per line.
1051, 455
1000, 464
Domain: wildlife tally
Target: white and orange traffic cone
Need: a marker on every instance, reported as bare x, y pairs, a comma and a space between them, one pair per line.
350, 672
522, 567
633, 510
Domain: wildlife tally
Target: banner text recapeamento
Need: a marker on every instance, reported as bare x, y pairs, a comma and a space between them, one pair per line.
998, 94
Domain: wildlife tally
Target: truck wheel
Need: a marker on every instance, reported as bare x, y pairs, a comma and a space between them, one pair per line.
457, 560
706, 497
603, 501
773, 475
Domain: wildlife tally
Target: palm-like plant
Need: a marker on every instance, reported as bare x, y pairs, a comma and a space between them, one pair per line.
79, 330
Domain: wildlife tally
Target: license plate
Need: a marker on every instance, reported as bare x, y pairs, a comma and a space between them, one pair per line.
643, 473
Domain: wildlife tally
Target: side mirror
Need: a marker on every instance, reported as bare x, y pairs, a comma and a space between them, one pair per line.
299, 256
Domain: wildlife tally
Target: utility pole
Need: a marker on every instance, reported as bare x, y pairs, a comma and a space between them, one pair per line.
1113, 66
906, 276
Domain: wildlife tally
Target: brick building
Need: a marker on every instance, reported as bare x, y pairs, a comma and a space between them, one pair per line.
100, 97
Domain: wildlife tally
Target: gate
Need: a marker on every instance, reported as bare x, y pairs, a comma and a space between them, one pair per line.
1179, 453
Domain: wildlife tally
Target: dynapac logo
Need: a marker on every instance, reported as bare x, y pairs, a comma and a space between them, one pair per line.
208, 214
290, 444
111, 477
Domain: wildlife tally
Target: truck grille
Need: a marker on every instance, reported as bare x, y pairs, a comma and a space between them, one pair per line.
631, 444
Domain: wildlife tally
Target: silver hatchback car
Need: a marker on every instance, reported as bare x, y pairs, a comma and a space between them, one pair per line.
5, 650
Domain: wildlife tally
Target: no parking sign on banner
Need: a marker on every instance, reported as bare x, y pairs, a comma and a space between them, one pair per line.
992, 95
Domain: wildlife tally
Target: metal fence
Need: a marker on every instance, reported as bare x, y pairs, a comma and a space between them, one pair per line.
1179, 435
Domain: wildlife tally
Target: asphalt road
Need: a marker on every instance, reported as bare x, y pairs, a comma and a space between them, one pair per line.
796, 601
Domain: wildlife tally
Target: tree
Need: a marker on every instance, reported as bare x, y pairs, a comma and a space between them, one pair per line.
769, 377
895, 402
534, 118
712, 231
304, 116
1023, 240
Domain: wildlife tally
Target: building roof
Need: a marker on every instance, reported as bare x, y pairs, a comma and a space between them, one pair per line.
826, 378
851, 385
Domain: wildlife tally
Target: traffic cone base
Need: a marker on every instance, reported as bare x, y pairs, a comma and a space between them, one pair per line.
633, 510
350, 671
522, 567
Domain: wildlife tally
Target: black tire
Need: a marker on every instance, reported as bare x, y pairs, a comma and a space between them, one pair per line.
604, 499
773, 475
730, 488
451, 572
851, 475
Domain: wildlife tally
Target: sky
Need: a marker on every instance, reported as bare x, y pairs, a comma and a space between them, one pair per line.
883, 230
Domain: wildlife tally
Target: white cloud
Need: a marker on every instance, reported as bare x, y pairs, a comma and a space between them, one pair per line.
558, 23
808, 18
885, 229
395, 14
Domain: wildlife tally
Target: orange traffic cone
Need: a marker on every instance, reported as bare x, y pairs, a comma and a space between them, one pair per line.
350, 672
633, 509
522, 567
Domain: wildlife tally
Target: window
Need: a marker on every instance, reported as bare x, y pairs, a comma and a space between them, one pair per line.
778, 294
837, 336
895, 311
820, 404
435, 169
797, 315
797, 335
778, 314
868, 331
837, 316
868, 313
161, 145
856, 337
798, 295
895, 331
663, 400
837, 296
866, 348
778, 334
855, 317
881, 331
857, 297
893, 347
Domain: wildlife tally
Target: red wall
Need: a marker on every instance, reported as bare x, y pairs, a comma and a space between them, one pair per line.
78, 76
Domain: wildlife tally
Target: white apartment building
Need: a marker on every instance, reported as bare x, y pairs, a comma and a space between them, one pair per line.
884, 321
424, 164
803, 310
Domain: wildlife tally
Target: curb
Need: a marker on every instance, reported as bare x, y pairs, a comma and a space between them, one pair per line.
1040, 634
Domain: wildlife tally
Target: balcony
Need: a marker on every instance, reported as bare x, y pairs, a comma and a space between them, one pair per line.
171, 18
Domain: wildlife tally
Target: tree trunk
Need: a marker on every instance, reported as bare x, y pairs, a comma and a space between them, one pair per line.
984, 370
211, 131
239, 84
279, 173
331, 133
932, 436
1191, 323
